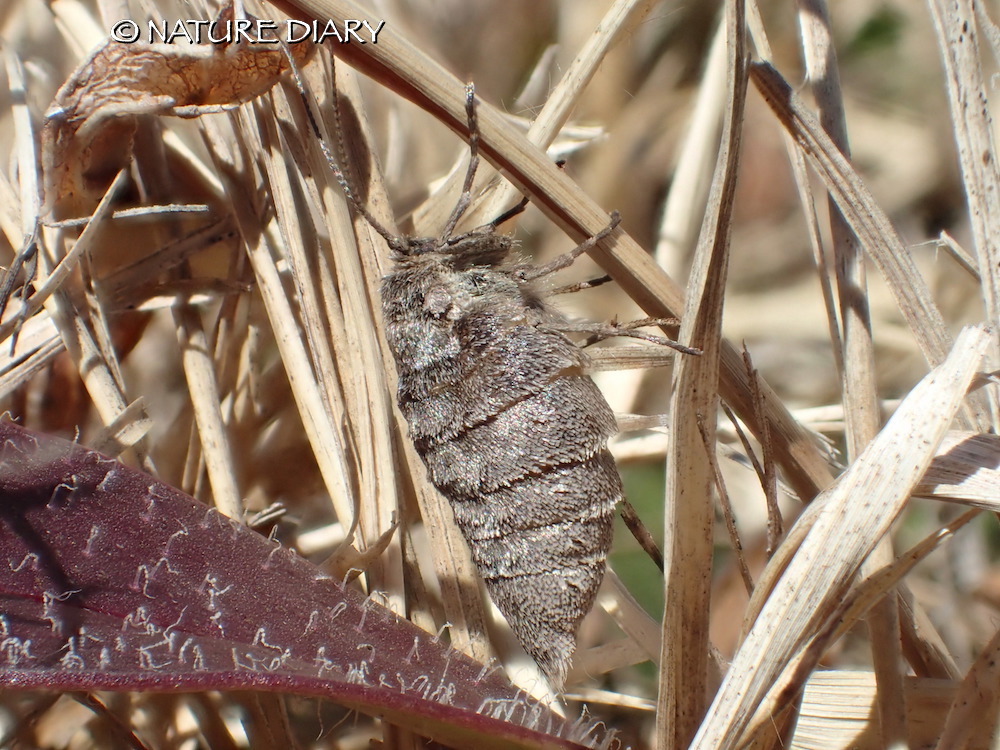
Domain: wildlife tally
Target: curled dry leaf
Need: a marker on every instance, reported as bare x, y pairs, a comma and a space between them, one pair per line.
88, 130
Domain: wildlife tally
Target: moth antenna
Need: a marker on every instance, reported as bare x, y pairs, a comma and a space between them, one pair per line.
331, 160
470, 174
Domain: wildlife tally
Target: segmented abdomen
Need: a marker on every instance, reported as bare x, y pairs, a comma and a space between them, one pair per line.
513, 433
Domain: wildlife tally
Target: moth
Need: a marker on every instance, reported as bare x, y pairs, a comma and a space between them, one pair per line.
510, 426
502, 410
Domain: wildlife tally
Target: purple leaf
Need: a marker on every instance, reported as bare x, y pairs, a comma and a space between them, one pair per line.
120, 582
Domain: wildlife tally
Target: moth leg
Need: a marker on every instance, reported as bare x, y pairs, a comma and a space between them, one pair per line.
529, 272
600, 331
470, 174
579, 286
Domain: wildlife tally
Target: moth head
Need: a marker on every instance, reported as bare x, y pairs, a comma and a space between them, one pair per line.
481, 247
413, 247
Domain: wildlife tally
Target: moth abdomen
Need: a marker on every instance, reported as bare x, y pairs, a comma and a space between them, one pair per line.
541, 546
561, 424
541, 499
485, 382
531, 483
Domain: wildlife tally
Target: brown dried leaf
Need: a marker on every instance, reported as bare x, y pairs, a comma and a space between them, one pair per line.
88, 131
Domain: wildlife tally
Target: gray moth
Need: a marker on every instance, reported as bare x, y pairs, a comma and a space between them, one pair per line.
510, 426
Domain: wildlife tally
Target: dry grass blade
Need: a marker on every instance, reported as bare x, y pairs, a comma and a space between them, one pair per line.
860, 392
847, 523
25, 142
67, 263
837, 706
37, 345
349, 296
689, 510
99, 369
132, 425
821, 256
678, 230
323, 436
630, 616
870, 593
976, 698
966, 470
926, 650
563, 97
199, 369
955, 24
